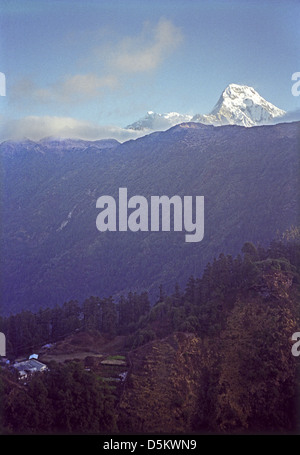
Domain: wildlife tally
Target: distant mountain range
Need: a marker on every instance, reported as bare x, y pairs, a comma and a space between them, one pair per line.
238, 105
51, 250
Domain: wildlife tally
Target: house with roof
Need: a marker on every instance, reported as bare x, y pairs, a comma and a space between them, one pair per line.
29, 367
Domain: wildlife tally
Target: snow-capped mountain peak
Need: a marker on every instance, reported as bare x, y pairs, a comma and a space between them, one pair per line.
237, 105
243, 105
156, 122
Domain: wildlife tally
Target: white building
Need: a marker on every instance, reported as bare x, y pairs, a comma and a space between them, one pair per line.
28, 367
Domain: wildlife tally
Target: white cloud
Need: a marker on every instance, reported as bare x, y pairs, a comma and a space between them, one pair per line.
146, 51
25, 89
88, 84
83, 87
36, 128
131, 55
127, 57
71, 89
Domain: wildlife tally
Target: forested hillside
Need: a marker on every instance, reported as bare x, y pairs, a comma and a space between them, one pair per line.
52, 251
212, 357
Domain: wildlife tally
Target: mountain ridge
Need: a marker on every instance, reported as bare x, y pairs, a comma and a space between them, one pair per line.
237, 105
53, 252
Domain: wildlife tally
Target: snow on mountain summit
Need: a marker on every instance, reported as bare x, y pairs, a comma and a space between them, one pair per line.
242, 105
156, 122
237, 105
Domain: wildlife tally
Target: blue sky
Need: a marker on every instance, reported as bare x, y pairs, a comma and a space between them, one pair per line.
92, 67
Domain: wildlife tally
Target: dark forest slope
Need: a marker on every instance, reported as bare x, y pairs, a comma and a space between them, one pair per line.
51, 250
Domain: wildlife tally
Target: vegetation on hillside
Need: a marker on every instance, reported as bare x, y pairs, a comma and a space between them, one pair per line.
52, 252
214, 357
